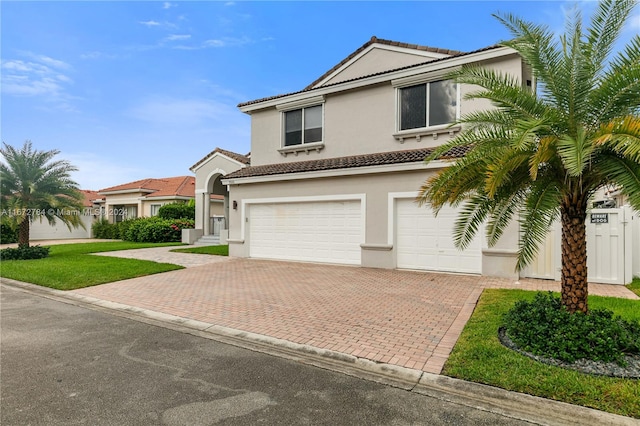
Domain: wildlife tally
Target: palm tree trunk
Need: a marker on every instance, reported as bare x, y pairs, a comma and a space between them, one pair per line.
574, 260
23, 233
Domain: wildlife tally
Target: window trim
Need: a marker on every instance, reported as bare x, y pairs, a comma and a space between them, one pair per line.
151, 206
421, 131
300, 105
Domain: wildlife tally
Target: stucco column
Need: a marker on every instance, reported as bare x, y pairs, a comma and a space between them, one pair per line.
206, 211
225, 210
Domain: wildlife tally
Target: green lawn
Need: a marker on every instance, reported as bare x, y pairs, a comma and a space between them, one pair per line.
635, 286
71, 266
213, 250
479, 357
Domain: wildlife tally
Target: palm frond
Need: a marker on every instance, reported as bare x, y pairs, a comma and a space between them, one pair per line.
545, 151
575, 152
501, 216
621, 135
625, 174
606, 25
500, 171
537, 46
540, 210
470, 218
504, 91
618, 92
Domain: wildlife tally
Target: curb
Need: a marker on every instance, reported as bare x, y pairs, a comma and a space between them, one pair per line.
479, 396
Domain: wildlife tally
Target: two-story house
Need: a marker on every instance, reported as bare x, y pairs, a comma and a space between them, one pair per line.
335, 168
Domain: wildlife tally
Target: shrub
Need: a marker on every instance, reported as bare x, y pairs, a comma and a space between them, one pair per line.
177, 211
8, 234
106, 230
24, 253
544, 327
123, 227
156, 230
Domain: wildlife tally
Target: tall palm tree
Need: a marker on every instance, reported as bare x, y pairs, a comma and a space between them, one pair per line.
32, 186
541, 156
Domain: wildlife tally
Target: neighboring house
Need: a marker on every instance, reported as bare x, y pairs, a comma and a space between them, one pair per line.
42, 230
209, 172
335, 168
143, 198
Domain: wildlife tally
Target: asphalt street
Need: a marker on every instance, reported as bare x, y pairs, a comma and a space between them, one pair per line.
69, 365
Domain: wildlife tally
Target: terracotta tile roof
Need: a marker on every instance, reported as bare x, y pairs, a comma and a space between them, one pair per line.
375, 40
172, 186
378, 159
311, 89
244, 159
89, 196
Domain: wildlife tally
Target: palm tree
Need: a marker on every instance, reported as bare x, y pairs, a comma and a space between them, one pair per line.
541, 156
32, 186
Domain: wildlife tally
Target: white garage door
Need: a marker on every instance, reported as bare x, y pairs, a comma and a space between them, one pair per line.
328, 231
426, 242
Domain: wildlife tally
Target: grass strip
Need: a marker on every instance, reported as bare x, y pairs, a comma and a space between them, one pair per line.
71, 266
478, 356
212, 250
635, 286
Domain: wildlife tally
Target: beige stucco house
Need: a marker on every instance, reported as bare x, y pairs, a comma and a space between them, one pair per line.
335, 167
143, 198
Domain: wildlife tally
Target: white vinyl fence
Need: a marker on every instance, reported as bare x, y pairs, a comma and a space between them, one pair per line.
613, 248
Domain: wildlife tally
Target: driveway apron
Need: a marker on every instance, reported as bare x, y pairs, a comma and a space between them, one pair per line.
404, 318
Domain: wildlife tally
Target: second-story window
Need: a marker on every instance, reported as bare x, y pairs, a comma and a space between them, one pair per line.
303, 126
428, 104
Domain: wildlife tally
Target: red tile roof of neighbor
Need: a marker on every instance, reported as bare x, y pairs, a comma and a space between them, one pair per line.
183, 186
377, 159
89, 196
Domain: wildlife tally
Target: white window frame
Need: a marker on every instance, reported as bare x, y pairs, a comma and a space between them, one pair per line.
428, 106
300, 105
435, 131
157, 206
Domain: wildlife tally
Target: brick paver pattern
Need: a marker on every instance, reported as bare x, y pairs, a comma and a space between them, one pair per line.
405, 318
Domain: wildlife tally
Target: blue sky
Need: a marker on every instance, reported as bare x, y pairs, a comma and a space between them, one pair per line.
130, 90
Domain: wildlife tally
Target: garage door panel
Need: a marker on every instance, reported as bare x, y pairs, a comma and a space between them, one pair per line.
327, 232
424, 241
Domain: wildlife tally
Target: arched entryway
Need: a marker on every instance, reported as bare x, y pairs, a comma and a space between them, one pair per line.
215, 206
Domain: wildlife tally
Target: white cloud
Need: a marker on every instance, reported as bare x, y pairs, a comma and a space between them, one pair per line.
167, 5
214, 43
42, 76
63, 78
226, 42
150, 23
21, 85
17, 66
52, 62
176, 37
97, 55
184, 47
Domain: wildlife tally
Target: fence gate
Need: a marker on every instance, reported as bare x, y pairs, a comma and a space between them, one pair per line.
609, 248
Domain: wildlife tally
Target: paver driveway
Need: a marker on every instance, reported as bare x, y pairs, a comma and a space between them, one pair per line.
405, 318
